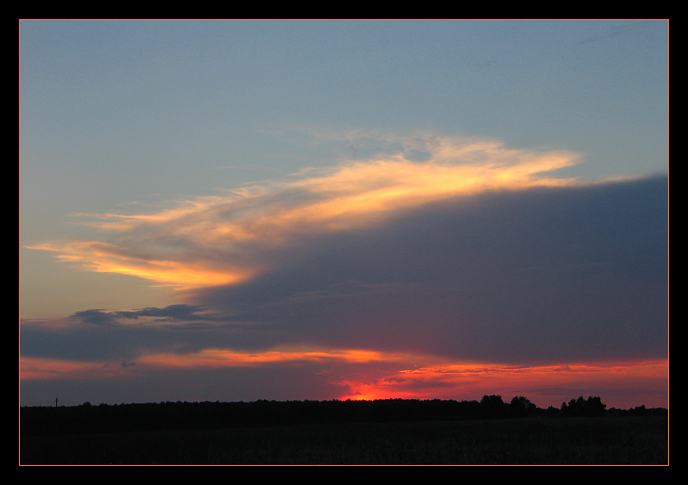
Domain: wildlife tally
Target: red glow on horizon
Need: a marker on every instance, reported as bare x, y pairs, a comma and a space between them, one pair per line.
369, 375
544, 385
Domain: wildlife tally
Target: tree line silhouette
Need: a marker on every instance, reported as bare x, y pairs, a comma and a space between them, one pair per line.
87, 418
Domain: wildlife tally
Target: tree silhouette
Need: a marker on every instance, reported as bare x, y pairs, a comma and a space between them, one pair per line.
591, 407
521, 407
492, 406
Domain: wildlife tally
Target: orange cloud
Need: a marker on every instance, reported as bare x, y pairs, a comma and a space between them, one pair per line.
212, 358
545, 385
104, 257
226, 239
218, 358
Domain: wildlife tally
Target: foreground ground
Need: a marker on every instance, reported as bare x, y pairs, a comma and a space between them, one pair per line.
528, 441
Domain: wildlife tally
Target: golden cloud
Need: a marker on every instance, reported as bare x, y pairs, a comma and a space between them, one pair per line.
226, 239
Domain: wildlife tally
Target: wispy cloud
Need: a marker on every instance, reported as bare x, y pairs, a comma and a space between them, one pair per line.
615, 30
229, 238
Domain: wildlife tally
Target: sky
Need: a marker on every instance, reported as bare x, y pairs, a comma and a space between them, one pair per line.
235, 210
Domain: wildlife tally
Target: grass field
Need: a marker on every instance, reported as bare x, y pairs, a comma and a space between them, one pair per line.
531, 441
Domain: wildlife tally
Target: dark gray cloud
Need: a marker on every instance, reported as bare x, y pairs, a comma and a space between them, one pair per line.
539, 275
170, 313
542, 274
99, 336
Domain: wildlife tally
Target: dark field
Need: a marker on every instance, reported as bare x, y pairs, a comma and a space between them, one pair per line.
543, 440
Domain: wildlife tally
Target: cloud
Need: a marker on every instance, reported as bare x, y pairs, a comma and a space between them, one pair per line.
478, 254
234, 237
616, 30
171, 313
542, 274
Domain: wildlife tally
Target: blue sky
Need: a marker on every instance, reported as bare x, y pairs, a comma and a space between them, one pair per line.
132, 118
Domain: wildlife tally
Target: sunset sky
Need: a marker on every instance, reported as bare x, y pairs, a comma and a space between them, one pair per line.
291, 210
